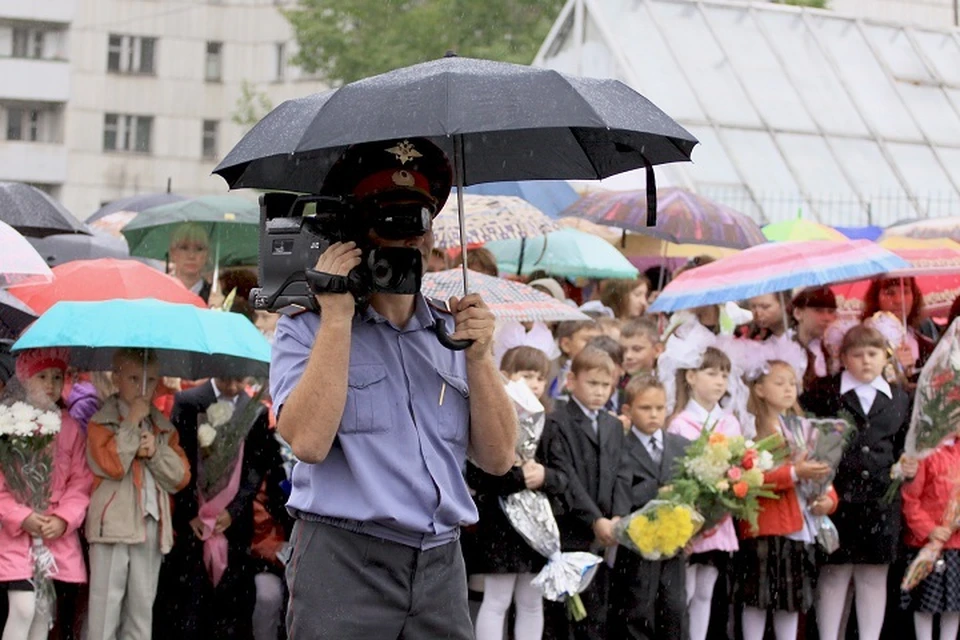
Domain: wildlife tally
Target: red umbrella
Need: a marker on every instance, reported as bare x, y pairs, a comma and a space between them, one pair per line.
104, 279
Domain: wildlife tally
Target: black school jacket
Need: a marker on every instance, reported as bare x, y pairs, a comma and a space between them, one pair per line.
864, 473
595, 468
645, 476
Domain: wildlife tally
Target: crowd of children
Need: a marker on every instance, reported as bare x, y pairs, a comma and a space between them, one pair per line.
625, 393
622, 411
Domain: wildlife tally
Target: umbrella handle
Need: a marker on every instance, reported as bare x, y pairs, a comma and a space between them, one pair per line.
444, 338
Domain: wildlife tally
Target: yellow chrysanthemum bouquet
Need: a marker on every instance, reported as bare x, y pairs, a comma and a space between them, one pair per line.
659, 530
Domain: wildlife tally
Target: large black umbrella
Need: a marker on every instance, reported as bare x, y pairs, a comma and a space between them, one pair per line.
15, 316
33, 213
66, 247
514, 123
497, 121
135, 204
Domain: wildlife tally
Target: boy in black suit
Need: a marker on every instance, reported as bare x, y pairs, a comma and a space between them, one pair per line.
868, 524
586, 444
648, 597
189, 606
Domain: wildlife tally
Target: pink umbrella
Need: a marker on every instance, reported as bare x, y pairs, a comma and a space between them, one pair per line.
19, 260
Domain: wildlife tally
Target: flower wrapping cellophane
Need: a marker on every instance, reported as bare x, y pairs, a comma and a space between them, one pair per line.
530, 514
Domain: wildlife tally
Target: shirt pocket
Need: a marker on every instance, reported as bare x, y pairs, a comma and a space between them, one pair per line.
454, 407
366, 391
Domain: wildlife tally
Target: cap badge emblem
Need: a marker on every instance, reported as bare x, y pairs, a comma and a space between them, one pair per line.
404, 152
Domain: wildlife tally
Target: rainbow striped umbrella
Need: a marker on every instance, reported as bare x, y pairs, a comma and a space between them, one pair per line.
683, 217
774, 267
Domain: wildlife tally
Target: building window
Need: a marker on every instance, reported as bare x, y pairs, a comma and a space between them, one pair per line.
127, 133
28, 43
210, 128
281, 53
14, 124
213, 71
130, 54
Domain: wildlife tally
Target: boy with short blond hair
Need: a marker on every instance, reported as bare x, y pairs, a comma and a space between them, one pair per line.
134, 453
586, 445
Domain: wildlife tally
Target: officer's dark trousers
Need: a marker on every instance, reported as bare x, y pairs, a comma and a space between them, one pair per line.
346, 585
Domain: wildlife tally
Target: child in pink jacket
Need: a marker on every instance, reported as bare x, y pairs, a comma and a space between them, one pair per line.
41, 371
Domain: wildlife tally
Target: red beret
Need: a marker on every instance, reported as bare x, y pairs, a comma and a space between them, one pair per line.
33, 361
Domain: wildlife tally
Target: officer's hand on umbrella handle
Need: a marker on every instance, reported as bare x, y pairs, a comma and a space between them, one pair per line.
475, 324
338, 260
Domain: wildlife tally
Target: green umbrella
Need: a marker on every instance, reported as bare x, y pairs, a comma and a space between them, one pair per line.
568, 253
232, 224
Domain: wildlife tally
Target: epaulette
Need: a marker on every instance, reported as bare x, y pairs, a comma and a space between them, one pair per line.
293, 310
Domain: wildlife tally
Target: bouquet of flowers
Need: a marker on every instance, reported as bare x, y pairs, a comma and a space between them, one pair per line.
928, 560
936, 408
660, 529
823, 440
220, 439
26, 461
722, 475
565, 575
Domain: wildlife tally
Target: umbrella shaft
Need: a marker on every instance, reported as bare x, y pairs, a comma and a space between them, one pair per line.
458, 169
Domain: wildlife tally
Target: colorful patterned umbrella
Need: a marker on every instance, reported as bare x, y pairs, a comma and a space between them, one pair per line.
507, 299
635, 245
774, 267
682, 217
18, 259
934, 263
797, 230
568, 253
490, 218
930, 228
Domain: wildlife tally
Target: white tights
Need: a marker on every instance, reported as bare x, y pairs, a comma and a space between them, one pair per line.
701, 579
755, 622
498, 591
22, 623
923, 625
870, 598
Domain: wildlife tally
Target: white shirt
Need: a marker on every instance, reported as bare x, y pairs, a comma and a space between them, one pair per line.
648, 439
592, 415
707, 418
866, 391
220, 396
198, 286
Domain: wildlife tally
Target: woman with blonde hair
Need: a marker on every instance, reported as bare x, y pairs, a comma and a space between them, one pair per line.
189, 251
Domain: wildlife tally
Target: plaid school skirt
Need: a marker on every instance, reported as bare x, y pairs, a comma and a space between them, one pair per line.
940, 591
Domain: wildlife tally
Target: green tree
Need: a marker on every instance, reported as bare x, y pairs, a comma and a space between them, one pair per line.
816, 4
251, 106
345, 40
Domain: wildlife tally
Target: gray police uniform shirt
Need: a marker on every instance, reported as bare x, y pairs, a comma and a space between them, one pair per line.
397, 462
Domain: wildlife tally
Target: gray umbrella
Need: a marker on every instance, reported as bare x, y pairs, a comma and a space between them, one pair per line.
15, 316
136, 204
33, 213
513, 122
66, 247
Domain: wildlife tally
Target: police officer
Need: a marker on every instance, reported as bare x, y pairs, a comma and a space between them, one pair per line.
382, 417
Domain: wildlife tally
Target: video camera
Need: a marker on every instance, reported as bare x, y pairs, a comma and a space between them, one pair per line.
296, 230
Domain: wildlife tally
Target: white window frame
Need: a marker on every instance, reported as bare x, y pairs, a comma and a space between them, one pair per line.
127, 131
127, 52
210, 134
213, 62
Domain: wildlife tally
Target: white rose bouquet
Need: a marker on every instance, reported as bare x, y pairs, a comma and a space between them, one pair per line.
219, 439
26, 462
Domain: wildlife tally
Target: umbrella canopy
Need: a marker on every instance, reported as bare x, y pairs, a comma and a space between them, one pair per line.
490, 218
930, 228
861, 233
33, 213
635, 245
934, 263
135, 204
67, 247
550, 196
190, 342
798, 230
104, 279
18, 259
568, 253
508, 300
682, 217
232, 224
774, 267
15, 316
513, 122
